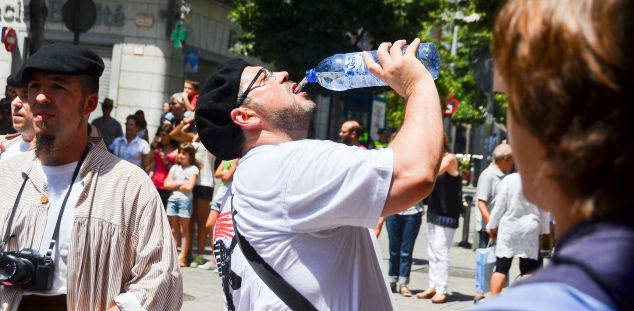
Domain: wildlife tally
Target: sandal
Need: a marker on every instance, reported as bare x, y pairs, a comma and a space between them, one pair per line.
439, 298
428, 293
405, 292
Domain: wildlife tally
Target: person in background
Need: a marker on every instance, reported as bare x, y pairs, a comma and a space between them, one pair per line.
443, 215
22, 119
487, 187
350, 132
485, 193
131, 147
382, 140
140, 116
569, 78
515, 226
402, 231
190, 94
177, 110
163, 155
183, 132
6, 126
220, 227
108, 127
203, 193
166, 110
181, 180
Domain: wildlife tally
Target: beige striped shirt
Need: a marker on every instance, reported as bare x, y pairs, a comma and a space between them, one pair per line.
121, 243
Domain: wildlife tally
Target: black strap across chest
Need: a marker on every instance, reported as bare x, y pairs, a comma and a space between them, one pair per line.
285, 291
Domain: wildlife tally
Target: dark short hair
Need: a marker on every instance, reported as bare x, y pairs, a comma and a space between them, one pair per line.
194, 84
569, 76
107, 103
136, 120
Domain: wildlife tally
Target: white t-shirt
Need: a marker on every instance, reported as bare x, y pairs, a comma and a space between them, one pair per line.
58, 182
306, 207
132, 152
487, 189
517, 220
206, 161
15, 148
180, 174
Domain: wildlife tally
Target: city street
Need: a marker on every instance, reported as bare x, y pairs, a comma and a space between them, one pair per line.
203, 290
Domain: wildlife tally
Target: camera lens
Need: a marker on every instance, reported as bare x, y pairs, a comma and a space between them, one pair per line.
16, 270
7, 268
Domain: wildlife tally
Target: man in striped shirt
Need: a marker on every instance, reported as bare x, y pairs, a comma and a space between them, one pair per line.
98, 217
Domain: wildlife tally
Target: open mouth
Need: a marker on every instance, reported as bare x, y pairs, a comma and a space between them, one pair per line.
295, 89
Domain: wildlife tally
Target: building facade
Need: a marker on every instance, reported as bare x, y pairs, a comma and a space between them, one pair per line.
142, 65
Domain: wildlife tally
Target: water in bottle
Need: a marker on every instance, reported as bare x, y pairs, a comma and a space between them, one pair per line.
342, 72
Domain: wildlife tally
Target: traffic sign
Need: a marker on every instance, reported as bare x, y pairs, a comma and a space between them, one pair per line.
79, 15
9, 38
451, 104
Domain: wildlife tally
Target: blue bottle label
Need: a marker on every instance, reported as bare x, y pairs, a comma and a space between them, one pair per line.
354, 64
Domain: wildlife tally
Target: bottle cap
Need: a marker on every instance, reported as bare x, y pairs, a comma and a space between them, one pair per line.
311, 75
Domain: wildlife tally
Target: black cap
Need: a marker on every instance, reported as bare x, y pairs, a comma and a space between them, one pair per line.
15, 78
64, 59
218, 96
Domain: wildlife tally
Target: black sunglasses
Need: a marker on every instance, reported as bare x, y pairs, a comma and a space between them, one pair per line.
250, 87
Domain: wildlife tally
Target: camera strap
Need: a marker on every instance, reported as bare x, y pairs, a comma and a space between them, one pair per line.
70, 189
5, 239
61, 212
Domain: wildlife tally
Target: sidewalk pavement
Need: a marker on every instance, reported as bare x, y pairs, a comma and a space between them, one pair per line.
204, 292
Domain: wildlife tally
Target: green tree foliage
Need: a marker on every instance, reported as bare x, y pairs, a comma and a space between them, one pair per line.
475, 21
296, 34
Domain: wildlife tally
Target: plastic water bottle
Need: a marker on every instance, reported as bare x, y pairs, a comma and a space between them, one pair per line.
342, 72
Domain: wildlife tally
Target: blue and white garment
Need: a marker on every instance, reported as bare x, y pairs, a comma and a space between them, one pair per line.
606, 248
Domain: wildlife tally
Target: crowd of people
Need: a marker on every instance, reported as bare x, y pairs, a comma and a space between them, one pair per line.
292, 217
185, 174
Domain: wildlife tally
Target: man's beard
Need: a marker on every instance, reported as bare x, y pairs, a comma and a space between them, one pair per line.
44, 144
346, 140
293, 120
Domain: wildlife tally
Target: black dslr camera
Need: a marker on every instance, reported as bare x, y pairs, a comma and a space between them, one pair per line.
27, 269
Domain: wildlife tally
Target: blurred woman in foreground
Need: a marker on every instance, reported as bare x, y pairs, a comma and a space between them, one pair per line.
569, 76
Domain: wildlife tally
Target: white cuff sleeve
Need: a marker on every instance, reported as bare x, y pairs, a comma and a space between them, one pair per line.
128, 302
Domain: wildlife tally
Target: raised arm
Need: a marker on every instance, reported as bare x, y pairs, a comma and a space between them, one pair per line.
418, 145
180, 132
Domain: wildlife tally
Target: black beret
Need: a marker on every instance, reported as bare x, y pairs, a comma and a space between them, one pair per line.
64, 59
218, 96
